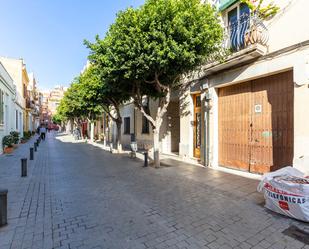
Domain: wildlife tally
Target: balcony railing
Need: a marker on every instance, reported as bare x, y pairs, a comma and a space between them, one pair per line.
246, 31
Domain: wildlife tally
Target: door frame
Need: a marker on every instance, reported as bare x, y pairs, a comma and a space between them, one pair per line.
196, 109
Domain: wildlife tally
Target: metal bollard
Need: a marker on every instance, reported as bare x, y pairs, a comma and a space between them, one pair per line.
34, 145
23, 167
31, 153
3, 207
146, 159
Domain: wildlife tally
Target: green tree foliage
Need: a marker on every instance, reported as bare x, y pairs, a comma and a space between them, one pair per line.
108, 97
148, 50
75, 103
57, 118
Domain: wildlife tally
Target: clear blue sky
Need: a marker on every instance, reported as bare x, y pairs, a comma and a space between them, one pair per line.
49, 34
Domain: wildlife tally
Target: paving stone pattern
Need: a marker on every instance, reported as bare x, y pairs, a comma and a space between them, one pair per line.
77, 196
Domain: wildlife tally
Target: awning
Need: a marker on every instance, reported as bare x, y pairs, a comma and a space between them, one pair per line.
224, 4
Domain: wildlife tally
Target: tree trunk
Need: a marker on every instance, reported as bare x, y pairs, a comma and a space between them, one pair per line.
71, 125
156, 149
91, 131
118, 139
156, 123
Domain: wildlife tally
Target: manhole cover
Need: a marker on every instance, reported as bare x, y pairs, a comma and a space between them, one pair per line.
298, 234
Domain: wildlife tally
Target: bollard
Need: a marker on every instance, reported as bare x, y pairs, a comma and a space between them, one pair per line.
34, 145
3, 207
23, 167
31, 153
145, 158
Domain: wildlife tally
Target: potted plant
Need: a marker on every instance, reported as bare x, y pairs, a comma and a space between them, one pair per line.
7, 143
15, 136
259, 12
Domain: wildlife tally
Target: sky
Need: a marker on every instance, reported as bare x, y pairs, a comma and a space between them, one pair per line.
49, 34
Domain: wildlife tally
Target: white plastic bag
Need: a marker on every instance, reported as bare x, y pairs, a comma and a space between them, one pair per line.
286, 191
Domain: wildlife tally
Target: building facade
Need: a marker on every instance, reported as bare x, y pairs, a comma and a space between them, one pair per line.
246, 109
55, 96
7, 104
250, 107
34, 103
17, 70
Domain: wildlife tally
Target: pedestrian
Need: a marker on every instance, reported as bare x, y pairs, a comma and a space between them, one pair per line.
42, 132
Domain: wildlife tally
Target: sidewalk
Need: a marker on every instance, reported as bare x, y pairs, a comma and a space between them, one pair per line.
78, 196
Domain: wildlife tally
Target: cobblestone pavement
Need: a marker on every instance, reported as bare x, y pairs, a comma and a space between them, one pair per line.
77, 196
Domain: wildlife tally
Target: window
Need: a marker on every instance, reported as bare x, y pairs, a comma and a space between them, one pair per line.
238, 22
126, 127
1, 107
145, 122
145, 125
16, 119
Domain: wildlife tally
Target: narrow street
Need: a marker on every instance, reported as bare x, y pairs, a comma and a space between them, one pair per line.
77, 196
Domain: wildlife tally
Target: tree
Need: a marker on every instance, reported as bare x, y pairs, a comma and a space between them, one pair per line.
57, 119
148, 50
77, 103
106, 96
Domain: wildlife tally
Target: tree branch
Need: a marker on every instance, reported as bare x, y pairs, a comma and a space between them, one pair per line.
109, 113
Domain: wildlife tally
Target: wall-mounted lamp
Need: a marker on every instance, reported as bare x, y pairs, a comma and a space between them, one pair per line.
204, 84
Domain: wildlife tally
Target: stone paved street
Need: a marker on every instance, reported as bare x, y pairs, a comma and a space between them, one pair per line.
78, 196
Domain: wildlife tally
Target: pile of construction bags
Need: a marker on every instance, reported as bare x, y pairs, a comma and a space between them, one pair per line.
286, 191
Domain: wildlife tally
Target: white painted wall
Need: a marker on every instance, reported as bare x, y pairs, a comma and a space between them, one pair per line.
7, 87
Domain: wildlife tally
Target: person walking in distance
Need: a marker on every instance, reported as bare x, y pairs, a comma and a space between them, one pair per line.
42, 132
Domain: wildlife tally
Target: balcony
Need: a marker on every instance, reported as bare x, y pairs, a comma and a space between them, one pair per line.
243, 41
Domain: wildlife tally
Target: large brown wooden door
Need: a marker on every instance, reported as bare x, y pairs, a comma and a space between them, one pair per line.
256, 124
197, 125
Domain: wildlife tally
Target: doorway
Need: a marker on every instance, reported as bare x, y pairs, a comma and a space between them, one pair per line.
197, 125
256, 124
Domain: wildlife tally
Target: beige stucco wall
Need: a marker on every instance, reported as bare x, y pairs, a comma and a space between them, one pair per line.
289, 26
169, 131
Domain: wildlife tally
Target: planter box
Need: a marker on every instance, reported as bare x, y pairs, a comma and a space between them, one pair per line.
8, 150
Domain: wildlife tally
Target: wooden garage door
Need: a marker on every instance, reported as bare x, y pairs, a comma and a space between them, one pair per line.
256, 124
